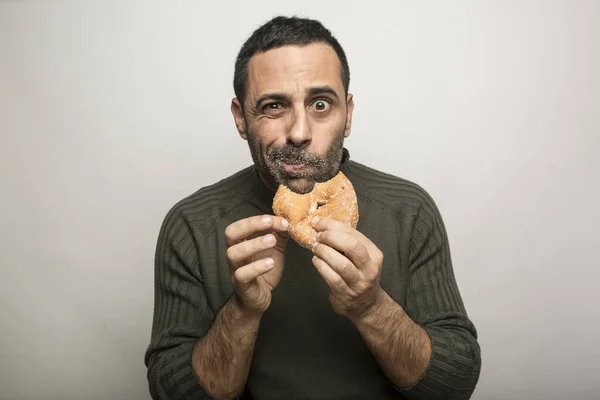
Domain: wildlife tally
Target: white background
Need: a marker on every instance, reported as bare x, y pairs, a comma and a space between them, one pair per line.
110, 112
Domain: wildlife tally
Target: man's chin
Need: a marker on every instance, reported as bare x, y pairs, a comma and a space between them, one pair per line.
296, 182
300, 182
300, 185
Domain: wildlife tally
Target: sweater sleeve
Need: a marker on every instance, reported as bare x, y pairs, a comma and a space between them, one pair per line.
434, 302
182, 314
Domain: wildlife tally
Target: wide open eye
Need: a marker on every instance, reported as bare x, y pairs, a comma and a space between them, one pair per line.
321, 105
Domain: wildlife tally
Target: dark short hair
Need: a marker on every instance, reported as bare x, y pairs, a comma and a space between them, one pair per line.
283, 31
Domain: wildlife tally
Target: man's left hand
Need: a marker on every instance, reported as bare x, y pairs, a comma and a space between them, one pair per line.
350, 264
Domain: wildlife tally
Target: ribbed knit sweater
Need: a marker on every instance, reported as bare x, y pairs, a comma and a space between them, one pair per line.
304, 350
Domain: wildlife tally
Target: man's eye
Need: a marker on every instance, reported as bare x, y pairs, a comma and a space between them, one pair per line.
321, 105
273, 106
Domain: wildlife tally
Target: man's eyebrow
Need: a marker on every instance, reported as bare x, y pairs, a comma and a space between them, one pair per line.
313, 91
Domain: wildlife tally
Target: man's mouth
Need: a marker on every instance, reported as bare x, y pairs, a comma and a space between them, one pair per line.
289, 167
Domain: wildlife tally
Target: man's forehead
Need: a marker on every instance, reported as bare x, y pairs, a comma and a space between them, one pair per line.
294, 68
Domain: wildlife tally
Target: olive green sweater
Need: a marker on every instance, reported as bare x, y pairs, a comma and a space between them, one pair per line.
304, 350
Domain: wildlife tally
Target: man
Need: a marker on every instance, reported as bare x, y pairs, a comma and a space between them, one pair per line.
242, 311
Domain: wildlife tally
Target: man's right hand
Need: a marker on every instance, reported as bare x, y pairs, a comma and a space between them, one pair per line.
255, 254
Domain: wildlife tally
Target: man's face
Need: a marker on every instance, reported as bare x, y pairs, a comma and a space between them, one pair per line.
296, 115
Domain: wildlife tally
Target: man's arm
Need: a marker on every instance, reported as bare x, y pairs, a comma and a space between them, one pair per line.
182, 313
433, 301
193, 353
402, 348
438, 361
428, 348
221, 360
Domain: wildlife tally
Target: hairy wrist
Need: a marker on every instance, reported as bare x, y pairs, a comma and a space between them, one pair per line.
380, 306
241, 311
237, 311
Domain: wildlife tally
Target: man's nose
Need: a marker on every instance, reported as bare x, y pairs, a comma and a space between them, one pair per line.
299, 132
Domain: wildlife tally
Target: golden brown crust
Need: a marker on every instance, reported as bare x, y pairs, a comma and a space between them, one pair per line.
335, 199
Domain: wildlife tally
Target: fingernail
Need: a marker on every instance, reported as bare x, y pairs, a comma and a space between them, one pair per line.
312, 246
285, 224
315, 220
269, 262
318, 235
266, 220
269, 239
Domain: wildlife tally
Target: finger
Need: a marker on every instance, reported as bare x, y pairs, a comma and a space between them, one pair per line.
331, 278
342, 266
325, 223
250, 272
353, 248
244, 228
239, 253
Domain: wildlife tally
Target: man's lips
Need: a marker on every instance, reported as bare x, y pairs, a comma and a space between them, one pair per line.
293, 167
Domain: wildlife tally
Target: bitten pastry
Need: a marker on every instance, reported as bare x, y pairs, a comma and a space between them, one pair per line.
334, 198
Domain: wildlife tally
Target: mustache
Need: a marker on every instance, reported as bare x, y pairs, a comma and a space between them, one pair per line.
294, 155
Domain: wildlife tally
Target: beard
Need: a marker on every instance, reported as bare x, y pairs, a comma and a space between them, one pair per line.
317, 168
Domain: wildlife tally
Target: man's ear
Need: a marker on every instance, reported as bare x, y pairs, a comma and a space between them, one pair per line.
350, 110
238, 117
